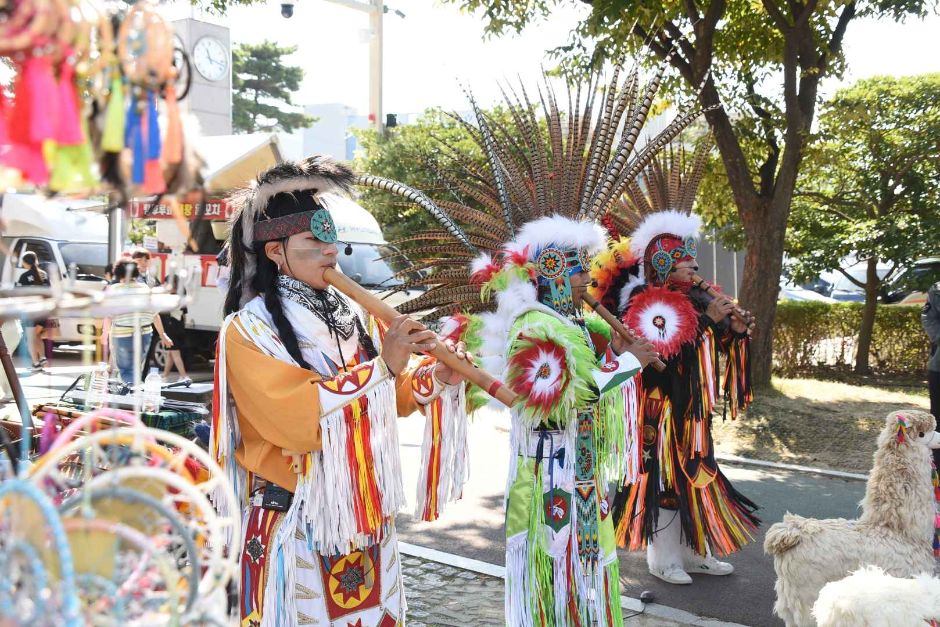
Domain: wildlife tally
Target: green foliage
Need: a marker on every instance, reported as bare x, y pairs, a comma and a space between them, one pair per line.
140, 229
263, 83
870, 185
812, 336
740, 44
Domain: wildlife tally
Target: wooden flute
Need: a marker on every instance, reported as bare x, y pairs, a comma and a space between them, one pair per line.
384, 312
617, 326
709, 289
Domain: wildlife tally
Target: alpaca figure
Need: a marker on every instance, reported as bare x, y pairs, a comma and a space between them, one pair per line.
894, 532
870, 598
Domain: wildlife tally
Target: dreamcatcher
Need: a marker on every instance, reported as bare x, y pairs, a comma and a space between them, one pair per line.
84, 95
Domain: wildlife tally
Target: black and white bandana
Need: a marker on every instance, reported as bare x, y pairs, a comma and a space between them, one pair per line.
324, 304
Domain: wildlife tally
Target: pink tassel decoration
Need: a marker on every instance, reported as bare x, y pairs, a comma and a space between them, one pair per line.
24, 154
43, 100
173, 144
68, 129
154, 183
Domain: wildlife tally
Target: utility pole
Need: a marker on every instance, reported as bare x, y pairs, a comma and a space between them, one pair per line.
376, 10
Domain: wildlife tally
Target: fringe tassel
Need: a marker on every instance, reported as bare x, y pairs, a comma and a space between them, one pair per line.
173, 144
737, 390
153, 181
68, 130
610, 435
112, 139
630, 523
224, 439
721, 519
134, 139
444, 453
665, 450
43, 109
280, 600
353, 484
518, 608
71, 167
633, 434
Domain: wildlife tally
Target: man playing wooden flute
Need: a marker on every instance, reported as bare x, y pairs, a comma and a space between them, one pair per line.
675, 501
303, 370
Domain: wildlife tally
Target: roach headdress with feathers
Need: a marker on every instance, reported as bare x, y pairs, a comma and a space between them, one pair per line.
282, 201
656, 212
527, 215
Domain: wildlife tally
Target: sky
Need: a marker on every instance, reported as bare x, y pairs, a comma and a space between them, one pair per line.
436, 48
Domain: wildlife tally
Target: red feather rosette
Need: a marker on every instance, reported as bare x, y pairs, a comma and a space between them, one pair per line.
538, 372
664, 317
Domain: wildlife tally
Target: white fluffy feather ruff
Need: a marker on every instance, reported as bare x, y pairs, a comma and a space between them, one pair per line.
871, 598
656, 224
480, 263
561, 231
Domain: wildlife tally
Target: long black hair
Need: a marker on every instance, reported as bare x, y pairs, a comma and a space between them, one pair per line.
263, 282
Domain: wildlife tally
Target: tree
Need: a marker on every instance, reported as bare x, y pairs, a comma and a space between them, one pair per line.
759, 64
263, 84
871, 186
409, 153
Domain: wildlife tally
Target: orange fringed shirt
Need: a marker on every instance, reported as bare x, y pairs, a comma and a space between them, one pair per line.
278, 407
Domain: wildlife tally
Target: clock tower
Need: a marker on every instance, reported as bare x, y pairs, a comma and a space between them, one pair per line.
210, 56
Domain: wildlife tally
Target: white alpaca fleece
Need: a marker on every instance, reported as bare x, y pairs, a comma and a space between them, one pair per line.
675, 222
894, 532
560, 231
871, 598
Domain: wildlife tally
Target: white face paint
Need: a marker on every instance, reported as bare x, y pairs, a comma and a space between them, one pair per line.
305, 257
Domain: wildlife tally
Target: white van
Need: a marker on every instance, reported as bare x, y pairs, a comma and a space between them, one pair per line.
65, 235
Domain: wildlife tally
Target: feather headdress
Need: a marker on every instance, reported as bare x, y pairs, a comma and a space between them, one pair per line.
317, 174
661, 199
659, 203
541, 166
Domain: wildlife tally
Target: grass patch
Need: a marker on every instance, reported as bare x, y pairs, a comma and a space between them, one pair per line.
816, 423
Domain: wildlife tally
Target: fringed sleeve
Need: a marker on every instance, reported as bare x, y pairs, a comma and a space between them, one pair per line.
737, 385
444, 453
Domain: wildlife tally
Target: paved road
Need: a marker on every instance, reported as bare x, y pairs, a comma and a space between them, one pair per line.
473, 527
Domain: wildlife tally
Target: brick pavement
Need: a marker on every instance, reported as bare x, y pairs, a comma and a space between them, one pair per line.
446, 596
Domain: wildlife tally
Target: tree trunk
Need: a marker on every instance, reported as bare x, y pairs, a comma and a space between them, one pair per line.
868, 318
765, 227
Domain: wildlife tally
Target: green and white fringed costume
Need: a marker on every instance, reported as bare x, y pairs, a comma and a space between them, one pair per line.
520, 228
568, 441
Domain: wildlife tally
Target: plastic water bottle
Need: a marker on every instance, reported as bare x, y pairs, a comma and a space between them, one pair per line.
153, 385
97, 390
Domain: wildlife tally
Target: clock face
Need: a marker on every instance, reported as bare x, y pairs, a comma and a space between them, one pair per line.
211, 58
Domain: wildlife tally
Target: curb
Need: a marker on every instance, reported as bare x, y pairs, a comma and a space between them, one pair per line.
627, 603
838, 474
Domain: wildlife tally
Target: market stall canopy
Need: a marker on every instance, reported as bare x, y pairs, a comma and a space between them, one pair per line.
34, 215
234, 160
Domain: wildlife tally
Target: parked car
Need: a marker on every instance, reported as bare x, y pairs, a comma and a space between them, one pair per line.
846, 291
66, 237
789, 291
910, 287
